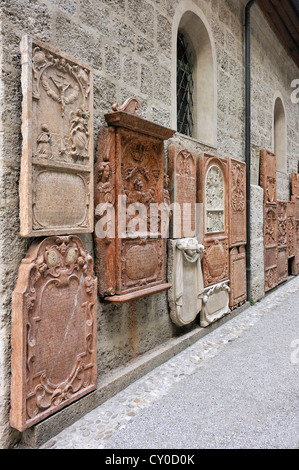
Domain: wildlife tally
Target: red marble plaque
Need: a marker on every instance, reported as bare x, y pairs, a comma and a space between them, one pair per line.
296, 264
268, 176
104, 236
215, 263
213, 194
271, 246
133, 263
54, 330
237, 203
295, 193
291, 229
238, 291
182, 174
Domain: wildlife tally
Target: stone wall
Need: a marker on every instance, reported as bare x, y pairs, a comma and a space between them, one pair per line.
129, 44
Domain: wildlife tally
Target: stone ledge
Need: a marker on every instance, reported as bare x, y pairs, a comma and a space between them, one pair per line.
116, 381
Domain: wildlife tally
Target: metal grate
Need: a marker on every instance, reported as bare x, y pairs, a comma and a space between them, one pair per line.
184, 87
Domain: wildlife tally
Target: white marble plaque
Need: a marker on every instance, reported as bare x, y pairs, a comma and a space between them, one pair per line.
215, 303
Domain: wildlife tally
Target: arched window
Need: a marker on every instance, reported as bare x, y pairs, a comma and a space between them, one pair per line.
185, 86
194, 75
280, 136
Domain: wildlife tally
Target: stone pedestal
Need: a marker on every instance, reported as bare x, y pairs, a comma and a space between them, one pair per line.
185, 275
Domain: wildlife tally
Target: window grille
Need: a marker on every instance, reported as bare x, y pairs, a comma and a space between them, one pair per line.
184, 87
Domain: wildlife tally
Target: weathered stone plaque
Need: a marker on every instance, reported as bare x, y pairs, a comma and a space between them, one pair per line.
134, 183
291, 229
282, 222
56, 186
271, 246
238, 291
213, 194
215, 303
237, 203
182, 174
185, 275
268, 176
295, 193
215, 262
54, 330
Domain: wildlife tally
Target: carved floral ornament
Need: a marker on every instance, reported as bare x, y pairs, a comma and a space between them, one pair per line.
57, 314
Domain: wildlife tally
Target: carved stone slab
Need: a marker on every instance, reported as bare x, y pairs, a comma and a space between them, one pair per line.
295, 193
237, 203
185, 275
105, 236
215, 303
135, 184
238, 291
291, 229
282, 223
213, 194
182, 174
215, 262
271, 246
56, 186
268, 176
296, 264
54, 330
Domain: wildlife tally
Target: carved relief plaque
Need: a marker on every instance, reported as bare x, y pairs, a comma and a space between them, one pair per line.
56, 186
182, 173
237, 203
291, 229
268, 176
295, 193
54, 330
132, 256
271, 246
185, 275
213, 194
215, 261
282, 222
238, 291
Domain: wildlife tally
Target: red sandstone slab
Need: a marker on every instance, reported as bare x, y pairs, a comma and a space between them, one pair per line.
56, 183
213, 194
137, 186
182, 173
268, 176
238, 289
237, 203
270, 246
215, 262
54, 330
291, 229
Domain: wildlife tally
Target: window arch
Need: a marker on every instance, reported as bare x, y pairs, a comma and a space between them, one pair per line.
185, 86
190, 22
280, 134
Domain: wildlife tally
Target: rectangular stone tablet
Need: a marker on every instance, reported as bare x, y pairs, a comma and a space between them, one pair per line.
56, 185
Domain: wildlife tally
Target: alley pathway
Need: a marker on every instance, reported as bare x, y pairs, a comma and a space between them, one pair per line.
236, 388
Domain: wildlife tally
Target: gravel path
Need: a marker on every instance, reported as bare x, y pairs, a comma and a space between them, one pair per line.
238, 387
